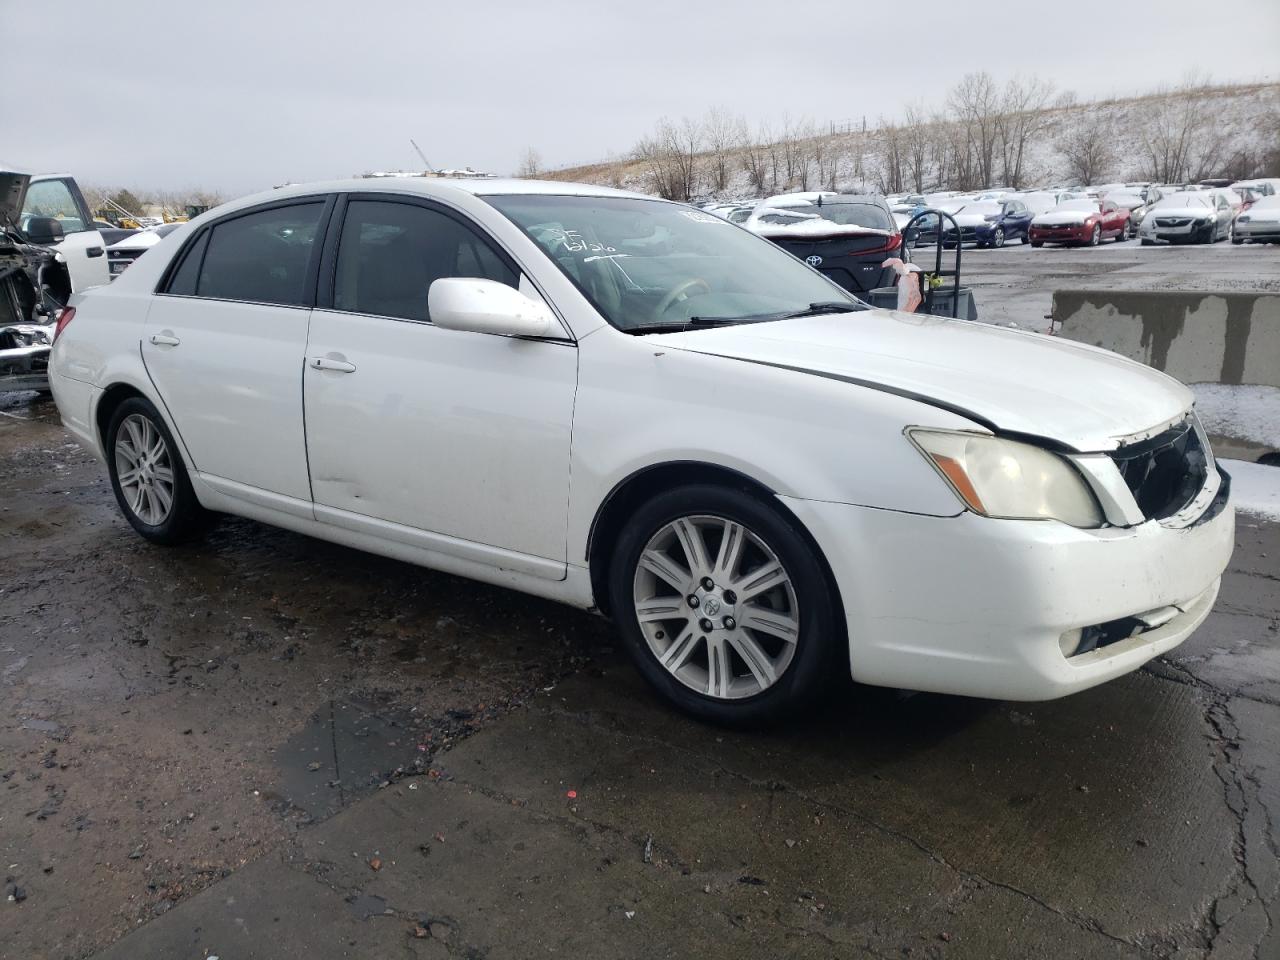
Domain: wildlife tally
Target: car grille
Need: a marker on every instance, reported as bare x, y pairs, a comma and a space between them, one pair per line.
1166, 472
120, 260
1173, 221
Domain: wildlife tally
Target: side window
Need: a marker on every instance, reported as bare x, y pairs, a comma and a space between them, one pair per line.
261, 257
183, 281
53, 198
390, 253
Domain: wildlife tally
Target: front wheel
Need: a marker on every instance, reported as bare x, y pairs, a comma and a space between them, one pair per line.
1037, 243
724, 605
997, 238
1095, 238
148, 476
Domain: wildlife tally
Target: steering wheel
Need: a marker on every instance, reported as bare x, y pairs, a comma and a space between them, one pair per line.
680, 290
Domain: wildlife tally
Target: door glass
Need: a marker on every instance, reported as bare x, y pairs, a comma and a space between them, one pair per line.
262, 257
183, 283
390, 254
53, 198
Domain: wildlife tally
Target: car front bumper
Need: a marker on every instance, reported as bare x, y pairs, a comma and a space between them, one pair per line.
1072, 234
25, 366
977, 606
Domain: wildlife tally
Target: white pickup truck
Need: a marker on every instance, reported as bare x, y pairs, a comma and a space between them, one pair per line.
49, 249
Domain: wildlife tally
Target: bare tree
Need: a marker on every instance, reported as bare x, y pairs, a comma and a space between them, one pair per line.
755, 160
1023, 116
1087, 147
725, 135
1178, 135
891, 157
530, 164
976, 105
917, 134
670, 157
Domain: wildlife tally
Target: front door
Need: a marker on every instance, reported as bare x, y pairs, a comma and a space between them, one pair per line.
81, 246
224, 344
464, 435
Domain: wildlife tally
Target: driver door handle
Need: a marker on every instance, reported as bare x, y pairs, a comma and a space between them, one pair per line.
164, 340
328, 363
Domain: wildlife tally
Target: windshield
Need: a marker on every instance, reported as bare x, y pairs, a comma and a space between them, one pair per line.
1088, 206
849, 214
647, 262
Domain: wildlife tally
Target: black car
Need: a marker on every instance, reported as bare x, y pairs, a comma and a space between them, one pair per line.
845, 236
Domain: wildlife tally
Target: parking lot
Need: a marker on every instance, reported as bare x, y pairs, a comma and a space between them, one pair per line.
266, 746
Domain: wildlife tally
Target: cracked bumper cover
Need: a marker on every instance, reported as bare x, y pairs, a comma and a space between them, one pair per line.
975, 606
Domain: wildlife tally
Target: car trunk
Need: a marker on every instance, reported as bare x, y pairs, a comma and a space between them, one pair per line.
851, 260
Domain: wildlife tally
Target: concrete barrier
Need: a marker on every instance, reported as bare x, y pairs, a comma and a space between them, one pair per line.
1199, 338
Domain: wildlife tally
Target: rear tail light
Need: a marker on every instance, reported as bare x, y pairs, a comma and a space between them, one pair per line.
66, 316
893, 243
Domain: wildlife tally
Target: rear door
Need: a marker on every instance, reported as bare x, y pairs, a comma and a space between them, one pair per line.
81, 245
224, 344
411, 427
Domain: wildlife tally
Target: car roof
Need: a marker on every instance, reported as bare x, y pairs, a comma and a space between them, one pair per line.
438, 187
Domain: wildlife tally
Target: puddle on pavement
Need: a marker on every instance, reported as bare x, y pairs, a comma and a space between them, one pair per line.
346, 750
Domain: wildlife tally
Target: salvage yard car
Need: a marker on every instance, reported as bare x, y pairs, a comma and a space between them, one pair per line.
1077, 222
49, 248
1260, 223
990, 223
628, 404
1191, 216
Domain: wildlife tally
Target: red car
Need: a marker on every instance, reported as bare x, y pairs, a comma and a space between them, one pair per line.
1081, 222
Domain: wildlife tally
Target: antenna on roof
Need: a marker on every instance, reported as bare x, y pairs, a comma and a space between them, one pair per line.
430, 168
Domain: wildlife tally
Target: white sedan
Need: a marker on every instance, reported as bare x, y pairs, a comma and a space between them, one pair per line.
634, 406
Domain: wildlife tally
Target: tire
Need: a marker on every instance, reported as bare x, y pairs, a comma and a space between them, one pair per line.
997, 238
1237, 240
802, 646
1147, 243
1095, 238
1037, 243
137, 430
1125, 233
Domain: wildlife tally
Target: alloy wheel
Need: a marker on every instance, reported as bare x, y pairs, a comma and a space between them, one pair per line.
998, 238
1096, 238
144, 469
716, 607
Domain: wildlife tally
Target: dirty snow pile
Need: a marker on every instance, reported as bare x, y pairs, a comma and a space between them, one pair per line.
1255, 488
1245, 412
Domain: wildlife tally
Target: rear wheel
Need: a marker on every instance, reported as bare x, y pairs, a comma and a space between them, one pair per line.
1125, 232
148, 477
724, 605
1037, 243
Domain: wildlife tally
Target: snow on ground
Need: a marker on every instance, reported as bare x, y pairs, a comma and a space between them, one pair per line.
1255, 488
1247, 412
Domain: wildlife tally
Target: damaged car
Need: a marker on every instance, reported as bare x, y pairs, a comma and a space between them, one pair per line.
773, 483
49, 249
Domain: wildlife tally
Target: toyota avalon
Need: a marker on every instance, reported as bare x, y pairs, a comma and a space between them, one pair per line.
633, 406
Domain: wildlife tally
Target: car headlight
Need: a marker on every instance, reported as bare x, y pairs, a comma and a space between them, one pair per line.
1008, 479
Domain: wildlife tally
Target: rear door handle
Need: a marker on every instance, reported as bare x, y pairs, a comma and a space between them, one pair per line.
164, 340
328, 363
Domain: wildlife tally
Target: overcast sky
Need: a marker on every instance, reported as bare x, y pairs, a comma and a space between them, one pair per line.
238, 96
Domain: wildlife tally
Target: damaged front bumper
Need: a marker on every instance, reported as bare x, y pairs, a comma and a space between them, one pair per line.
24, 356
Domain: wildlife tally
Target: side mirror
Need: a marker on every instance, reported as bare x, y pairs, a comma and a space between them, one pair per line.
486, 306
43, 230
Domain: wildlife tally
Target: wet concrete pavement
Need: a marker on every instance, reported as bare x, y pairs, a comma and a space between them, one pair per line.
265, 746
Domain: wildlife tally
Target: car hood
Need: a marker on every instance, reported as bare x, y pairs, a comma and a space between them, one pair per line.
1265, 215
142, 240
1060, 218
973, 220
13, 189
1009, 380
1192, 212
